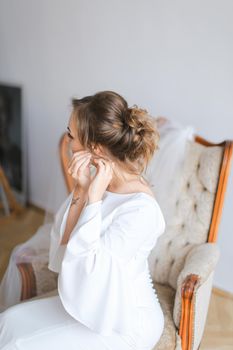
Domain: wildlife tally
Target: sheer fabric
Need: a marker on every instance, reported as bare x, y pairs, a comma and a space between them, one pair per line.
165, 168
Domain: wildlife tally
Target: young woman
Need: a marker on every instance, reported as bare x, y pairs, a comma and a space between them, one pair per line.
100, 240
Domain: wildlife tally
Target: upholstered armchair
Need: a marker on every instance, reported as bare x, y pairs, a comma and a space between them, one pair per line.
182, 263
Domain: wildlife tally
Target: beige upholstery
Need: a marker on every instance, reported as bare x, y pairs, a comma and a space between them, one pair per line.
202, 300
201, 260
169, 338
193, 213
46, 280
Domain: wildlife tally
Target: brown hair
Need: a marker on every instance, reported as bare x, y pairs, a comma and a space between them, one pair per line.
129, 134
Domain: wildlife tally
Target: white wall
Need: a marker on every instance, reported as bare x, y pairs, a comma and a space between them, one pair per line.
172, 57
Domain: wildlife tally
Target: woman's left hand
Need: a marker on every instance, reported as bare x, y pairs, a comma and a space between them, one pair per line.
101, 179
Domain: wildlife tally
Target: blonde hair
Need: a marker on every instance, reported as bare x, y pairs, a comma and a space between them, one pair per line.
129, 134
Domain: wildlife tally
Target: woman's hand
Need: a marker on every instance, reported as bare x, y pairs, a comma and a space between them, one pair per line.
78, 168
80, 171
101, 179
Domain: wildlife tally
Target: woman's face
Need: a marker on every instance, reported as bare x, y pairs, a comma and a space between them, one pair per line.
74, 140
73, 137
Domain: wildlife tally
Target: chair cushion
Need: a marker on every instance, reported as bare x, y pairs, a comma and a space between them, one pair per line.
193, 212
46, 280
169, 338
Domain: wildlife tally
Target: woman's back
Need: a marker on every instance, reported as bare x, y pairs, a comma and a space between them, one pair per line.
105, 291
111, 243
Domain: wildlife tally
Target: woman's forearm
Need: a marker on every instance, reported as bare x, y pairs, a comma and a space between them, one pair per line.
74, 214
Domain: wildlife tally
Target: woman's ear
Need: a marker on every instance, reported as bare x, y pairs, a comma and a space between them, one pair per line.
98, 150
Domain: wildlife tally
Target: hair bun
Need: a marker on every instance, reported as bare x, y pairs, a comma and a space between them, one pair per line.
129, 134
134, 110
136, 117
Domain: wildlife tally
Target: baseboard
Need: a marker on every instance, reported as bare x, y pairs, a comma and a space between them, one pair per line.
35, 207
222, 293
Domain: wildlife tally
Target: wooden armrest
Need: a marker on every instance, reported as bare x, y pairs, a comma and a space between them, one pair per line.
188, 288
28, 281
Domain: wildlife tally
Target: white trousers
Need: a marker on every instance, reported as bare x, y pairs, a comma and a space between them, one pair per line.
44, 324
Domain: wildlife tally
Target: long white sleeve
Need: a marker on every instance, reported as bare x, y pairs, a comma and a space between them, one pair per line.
56, 251
93, 284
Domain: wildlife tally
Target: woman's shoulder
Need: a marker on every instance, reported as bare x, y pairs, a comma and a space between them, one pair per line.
140, 213
140, 202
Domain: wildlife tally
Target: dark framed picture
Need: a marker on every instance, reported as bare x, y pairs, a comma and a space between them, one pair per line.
11, 145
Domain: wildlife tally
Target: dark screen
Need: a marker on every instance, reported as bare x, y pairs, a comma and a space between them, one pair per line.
10, 135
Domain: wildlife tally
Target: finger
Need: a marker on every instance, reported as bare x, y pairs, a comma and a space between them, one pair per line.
77, 159
77, 155
104, 167
84, 164
99, 161
81, 168
99, 165
106, 163
78, 163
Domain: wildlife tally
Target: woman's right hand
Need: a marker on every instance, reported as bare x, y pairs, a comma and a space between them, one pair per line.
80, 171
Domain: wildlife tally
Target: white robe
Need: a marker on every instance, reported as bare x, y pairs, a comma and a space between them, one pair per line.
106, 297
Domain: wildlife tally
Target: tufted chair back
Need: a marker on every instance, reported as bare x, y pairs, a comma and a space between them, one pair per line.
194, 212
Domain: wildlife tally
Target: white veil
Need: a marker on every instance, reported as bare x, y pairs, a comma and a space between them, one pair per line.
165, 168
163, 174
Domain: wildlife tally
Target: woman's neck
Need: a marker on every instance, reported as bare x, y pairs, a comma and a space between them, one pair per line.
129, 181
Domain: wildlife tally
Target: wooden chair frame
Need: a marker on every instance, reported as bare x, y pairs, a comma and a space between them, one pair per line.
190, 283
